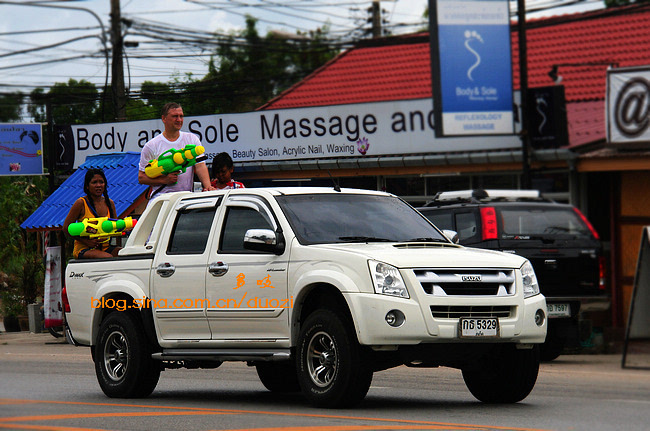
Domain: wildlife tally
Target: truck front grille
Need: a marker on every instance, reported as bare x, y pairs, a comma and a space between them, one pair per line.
455, 312
467, 282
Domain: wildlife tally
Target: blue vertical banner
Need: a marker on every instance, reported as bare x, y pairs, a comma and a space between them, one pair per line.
471, 67
21, 149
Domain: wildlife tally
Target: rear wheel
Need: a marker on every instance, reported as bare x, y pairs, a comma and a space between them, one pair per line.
278, 376
123, 362
330, 362
504, 378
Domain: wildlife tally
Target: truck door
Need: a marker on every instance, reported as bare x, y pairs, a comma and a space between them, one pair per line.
180, 268
247, 289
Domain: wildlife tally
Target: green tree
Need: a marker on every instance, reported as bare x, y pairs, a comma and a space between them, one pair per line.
246, 75
74, 102
22, 263
10, 105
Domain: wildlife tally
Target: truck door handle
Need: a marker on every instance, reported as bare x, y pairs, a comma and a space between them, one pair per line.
165, 269
217, 269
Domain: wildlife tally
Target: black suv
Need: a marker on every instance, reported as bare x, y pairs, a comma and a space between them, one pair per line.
558, 240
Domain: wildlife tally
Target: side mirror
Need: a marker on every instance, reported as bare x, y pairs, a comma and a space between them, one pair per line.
451, 235
264, 240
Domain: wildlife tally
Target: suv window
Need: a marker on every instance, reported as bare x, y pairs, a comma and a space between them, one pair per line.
466, 225
547, 222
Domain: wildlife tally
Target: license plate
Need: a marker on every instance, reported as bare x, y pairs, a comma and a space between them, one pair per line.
558, 310
476, 328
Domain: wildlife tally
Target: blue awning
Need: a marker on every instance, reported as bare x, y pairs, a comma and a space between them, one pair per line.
121, 171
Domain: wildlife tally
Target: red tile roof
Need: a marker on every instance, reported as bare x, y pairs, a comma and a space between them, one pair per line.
399, 69
585, 44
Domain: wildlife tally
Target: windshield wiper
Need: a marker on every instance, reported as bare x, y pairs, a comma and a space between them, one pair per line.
555, 229
364, 239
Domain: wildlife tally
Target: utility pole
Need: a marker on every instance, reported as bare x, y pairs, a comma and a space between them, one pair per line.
523, 88
375, 11
117, 68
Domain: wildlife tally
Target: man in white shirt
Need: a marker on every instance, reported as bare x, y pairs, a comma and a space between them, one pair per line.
172, 137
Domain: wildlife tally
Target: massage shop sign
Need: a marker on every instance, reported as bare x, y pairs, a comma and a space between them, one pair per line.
355, 130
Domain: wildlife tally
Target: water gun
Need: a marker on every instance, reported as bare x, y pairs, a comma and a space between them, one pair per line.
101, 227
174, 160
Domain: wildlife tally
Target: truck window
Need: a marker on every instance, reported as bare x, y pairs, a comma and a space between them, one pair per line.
191, 231
238, 221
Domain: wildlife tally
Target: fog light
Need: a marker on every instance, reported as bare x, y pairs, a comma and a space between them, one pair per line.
540, 317
395, 318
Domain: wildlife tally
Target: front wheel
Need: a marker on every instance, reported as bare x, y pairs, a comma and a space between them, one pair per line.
330, 362
278, 376
123, 362
507, 377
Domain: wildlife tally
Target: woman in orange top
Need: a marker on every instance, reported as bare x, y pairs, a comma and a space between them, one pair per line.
96, 203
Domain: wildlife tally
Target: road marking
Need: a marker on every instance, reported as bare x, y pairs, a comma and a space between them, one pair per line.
389, 423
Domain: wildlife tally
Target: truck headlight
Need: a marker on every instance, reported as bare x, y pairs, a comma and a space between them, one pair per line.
531, 286
387, 279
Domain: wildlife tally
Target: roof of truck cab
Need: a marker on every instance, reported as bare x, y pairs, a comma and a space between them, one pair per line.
278, 191
314, 190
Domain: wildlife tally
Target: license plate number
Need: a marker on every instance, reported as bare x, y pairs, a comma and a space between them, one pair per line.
558, 310
478, 327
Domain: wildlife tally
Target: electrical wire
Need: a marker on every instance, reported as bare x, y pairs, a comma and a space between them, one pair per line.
165, 48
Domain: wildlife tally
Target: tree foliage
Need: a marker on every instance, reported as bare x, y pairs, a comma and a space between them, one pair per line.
22, 264
245, 76
74, 102
10, 105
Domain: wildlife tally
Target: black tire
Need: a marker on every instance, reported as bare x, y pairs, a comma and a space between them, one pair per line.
278, 377
551, 349
504, 378
57, 331
123, 362
330, 362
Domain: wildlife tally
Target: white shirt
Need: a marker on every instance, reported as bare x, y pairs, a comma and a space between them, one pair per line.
158, 145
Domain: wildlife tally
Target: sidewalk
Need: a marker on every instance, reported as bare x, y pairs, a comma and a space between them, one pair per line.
26, 337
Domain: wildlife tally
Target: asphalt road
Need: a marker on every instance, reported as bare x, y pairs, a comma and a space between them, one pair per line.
48, 385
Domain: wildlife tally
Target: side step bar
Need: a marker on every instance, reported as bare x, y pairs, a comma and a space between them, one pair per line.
223, 355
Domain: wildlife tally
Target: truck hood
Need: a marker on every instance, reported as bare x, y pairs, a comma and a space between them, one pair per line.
427, 255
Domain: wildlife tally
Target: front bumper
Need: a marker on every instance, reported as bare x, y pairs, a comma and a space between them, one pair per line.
420, 326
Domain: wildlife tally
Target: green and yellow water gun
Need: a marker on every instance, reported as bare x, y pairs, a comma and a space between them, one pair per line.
174, 160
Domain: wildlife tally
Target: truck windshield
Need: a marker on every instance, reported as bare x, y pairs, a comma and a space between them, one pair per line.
341, 218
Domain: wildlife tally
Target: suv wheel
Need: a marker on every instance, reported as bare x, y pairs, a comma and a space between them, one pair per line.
551, 349
505, 378
278, 376
123, 362
330, 364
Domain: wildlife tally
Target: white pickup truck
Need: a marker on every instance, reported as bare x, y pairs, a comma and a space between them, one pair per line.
317, 288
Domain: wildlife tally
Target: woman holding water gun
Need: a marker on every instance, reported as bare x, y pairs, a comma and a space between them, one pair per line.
94, 204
